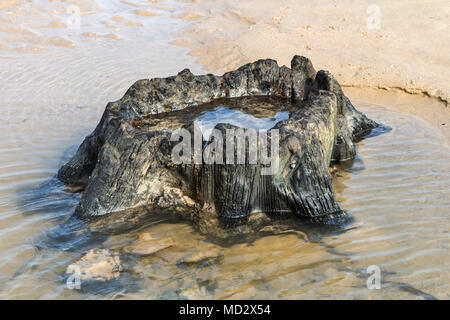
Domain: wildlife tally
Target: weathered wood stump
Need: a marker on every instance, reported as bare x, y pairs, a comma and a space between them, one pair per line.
128, 168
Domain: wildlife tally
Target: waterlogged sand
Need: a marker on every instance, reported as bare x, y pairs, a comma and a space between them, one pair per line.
408, 49
58, 73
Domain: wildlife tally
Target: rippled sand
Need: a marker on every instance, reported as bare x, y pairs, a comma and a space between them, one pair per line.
56, 80
52, 96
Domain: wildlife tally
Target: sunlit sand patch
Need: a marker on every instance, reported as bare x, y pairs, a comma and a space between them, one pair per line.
28, 49
219, 57
183, 43
118, 18
295, 27
134, 24
86, 9
237, 16
95, 35
51, 25
209, 31
198, 52
124, 21
111, 36
130, 4
87, 13
5, 4
5, 19
145, 13
244, 270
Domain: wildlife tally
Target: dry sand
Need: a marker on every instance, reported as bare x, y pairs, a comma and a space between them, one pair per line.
407, 48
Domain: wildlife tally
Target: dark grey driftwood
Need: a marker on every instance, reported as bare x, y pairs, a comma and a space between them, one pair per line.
128, 169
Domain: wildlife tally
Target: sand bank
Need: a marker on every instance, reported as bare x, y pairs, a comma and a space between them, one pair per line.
425, 109
372, 44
